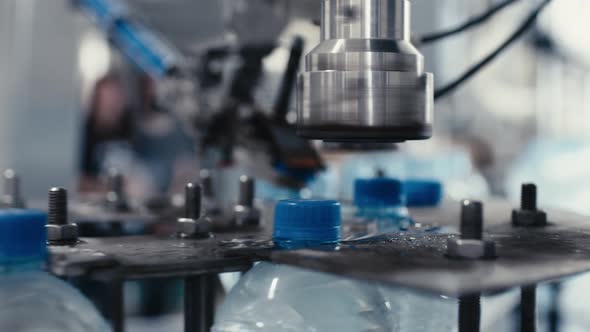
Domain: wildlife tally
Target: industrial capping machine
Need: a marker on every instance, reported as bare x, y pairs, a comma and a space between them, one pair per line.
365, 82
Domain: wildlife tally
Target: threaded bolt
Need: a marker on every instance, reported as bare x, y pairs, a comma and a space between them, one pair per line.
115, 183
247, 191
528, 197
12, 194
192, 204
11, 183
471, 220
115, 197
207, 183
58, 206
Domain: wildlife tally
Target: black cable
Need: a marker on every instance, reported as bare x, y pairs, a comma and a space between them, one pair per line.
441, 92
475, 21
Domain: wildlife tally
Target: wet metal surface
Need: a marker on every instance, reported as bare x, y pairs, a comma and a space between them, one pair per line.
415, 259
136, 257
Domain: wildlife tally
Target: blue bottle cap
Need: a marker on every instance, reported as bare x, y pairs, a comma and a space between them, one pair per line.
423, 193
378, 192
22, 235
307, 221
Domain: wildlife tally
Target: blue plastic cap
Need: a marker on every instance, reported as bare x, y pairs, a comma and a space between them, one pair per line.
423, 193
22, 235
309, 221
378, 192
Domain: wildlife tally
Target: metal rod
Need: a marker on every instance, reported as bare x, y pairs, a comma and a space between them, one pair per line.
554, 315
528, 308
117, 307
199, 303
281, 108
469, 313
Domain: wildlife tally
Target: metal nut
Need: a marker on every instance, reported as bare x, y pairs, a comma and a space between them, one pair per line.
188, 227
528, 218
67, 232
471, 249
245, 216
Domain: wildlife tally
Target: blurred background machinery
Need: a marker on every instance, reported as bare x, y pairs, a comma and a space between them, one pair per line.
124, 102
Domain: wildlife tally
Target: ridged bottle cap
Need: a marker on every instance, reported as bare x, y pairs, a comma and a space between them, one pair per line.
308, 221
423, 193
378, 192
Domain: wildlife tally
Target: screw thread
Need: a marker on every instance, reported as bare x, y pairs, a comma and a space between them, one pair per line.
247, 191
58, 206
528, 197
207, 183
192, 205
471, 220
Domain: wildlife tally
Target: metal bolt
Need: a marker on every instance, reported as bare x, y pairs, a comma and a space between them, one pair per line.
471, 220
528, 215
192, 204
247, 189
59, 231
245, 213
528, 197
58, 206
192, 224
471, 244
115, 197
12, 197
207, 183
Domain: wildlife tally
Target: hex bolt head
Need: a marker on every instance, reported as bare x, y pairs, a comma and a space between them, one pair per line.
59, 231
470, 244
193, 224
529, 215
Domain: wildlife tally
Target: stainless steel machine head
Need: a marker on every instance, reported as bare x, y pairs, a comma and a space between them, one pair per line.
365, 81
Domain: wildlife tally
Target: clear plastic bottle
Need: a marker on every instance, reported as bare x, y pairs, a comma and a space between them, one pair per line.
379, 208
442, 311
282, 298
31, 299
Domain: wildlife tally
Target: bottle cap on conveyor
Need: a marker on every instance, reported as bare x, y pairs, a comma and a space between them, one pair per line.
378, 192
307, 221
423, 193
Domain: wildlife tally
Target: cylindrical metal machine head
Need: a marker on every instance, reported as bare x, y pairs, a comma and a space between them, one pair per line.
365, 81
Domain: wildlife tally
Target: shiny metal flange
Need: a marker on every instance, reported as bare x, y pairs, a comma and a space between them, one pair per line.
365, 81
